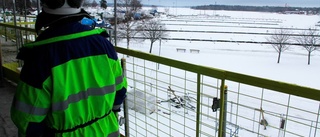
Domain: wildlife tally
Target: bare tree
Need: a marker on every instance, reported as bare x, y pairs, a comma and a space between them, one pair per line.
94, 3
34, 3
127, 29
135, 5
23, 6
7, 4
87, 3
103, 4
309, 39
130, 7
153, 30
167, 10
279, 41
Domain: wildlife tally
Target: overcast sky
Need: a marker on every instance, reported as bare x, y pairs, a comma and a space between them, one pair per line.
292, 3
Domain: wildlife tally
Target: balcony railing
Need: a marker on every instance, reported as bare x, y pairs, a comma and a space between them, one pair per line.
167, 97
249, 106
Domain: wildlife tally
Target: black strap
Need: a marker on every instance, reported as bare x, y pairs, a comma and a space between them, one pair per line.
79, 126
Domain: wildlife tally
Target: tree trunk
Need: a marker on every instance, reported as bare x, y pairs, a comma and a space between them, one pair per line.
128, 43
309, 54
127, 35
151, 47
279, 57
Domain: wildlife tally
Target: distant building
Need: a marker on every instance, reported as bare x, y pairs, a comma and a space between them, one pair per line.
294, 12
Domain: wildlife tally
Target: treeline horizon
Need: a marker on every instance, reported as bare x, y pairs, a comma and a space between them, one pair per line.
314, 10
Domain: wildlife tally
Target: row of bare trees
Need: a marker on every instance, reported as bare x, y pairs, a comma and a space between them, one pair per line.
281, 40
308, 39
22, 6
128, 29
154, 30
148, 28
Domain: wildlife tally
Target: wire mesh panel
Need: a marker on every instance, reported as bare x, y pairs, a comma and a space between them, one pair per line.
168, 101
261, 112
165, 100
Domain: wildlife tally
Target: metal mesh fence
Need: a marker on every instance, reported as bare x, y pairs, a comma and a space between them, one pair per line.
182, 105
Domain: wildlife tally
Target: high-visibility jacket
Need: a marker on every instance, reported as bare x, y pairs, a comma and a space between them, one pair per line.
71, 84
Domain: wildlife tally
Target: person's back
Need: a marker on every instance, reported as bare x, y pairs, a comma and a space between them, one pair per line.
71, 82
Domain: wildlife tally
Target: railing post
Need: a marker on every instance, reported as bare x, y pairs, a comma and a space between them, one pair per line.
223, 109
198, 106
315, 129
225, 101
115, 22
125, 105
1, 71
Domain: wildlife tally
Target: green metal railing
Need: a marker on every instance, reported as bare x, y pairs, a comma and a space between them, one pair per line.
225, 78
284, 109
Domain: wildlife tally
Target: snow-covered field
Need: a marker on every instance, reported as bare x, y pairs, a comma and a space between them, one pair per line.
252, 59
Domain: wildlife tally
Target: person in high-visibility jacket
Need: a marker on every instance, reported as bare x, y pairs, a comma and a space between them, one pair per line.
71, 83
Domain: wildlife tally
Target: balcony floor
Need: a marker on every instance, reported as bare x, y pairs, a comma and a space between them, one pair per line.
7, 128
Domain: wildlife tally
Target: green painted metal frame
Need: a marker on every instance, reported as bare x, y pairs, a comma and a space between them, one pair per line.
282, 87
223, 75
198, 105
222, 130
9, 25
10, 73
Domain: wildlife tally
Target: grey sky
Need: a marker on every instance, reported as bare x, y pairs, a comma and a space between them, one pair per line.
292, 3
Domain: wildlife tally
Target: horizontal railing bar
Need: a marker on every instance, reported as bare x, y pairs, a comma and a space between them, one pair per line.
173, 63
18, 27
275, 85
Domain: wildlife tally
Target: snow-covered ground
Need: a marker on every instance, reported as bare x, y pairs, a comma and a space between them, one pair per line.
252, 59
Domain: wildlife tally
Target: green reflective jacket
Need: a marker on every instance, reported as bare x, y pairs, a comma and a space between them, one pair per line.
70, 85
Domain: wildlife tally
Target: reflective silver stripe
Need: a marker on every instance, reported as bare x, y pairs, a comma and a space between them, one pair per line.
83, 95
114, 134
119, 79
116, 107
27, 108
21, 106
